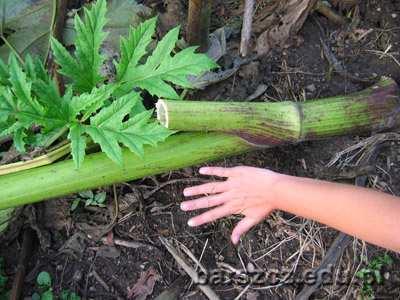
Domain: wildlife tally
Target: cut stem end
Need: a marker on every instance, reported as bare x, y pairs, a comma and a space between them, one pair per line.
162, 113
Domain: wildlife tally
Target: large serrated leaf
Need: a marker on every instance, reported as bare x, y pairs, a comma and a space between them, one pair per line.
84, 68
109, 130
5, 217
134, 47
121, 15
78, 144
162, 67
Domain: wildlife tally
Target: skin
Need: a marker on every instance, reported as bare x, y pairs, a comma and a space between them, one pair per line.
255, 193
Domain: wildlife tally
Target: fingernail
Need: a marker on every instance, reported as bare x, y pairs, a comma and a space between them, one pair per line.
184, 206
191, 223
203, 170
235, 239
186, 193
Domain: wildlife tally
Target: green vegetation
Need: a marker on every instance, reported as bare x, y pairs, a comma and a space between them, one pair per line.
372, 274
93, 109
90, 198
3, 281
269, 124
44, 286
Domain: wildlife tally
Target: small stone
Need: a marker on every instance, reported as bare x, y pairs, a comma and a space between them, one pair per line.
311, 88
250, 267
386, 275
219, 258
394, 16
59, 267
77, 276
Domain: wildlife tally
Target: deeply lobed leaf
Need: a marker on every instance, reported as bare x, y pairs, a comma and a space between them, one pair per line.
109, 114
161, 67
84, 69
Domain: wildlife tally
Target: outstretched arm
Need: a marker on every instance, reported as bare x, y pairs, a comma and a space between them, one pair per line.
255, 193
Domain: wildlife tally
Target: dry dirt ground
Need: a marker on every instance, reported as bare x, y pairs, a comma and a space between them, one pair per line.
149, 209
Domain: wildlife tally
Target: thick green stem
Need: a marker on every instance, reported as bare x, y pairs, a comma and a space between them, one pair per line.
178, 151
265, 124
269, 124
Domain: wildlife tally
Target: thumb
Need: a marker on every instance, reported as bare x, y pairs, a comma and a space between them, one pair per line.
242, 227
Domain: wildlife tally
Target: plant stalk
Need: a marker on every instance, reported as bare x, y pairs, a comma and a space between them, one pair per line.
198, 27
43, 160
178, 151
269, 124
241, 126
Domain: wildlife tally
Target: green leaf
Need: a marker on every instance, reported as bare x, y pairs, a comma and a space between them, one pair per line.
140, 131
3, 282
35, 296
4, 74
5, 217
68, 295
84, 69
78, 144
109, 129
121, 14
162, 67
21, 87
86, 194
19, 105
100, 198
105, 125
18, 138
44, 280
110, 114
89, 103
75, 204
108, 142
7, 104
47, 295
134, 47
3, 278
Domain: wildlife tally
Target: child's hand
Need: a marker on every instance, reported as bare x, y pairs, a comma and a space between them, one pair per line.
247, 191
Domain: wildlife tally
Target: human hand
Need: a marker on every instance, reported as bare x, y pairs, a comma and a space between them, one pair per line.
248, 191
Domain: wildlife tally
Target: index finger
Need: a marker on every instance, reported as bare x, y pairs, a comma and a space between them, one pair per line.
217, 171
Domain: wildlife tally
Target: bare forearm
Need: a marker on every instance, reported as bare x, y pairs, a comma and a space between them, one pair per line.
361, 212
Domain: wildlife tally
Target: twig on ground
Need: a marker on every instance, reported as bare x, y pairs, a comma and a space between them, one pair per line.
210, 78
331, 258
361, 150
246, 27
261, 89
206, 289
335, 63
25, 255
329, 13
347, 174
339, 67
128, 244
173, 291
100, 280
386, 53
